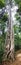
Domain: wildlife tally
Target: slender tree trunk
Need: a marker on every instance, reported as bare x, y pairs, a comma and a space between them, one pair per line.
10, 38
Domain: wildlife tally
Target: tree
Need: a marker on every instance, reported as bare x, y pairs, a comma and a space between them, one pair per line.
10, 35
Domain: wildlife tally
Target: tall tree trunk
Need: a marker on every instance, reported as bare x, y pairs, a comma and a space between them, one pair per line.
10, 38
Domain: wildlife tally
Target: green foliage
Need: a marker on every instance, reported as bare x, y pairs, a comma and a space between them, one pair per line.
16, 29
18, 2
2, 37
17, 37
18, 18
1, 53
19, 7
17, 40
2, 28
2, 3
5, 17
3, 22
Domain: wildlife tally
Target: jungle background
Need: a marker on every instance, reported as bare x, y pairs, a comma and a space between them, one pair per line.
3, 26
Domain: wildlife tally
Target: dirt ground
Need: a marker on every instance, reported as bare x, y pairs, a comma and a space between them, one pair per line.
17, 60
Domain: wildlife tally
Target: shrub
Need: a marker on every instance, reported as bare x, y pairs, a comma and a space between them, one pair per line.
1, 53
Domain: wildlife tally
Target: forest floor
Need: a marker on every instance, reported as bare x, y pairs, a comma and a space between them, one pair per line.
17, 60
